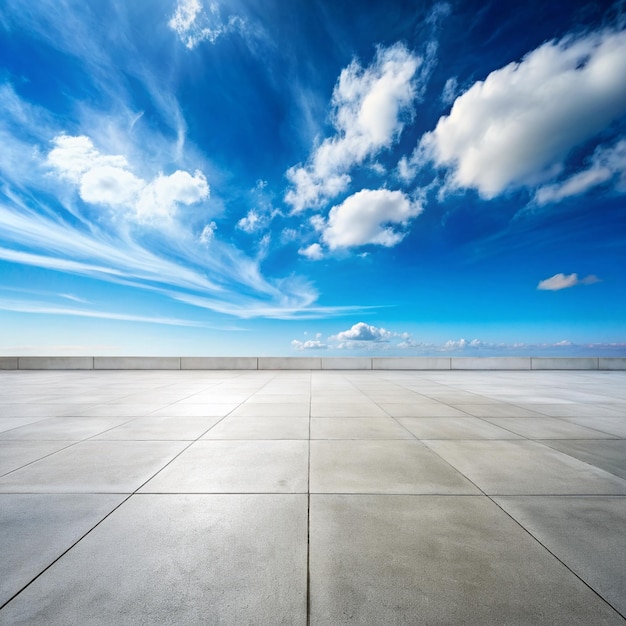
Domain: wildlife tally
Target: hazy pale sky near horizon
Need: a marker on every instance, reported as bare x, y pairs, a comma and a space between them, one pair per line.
325, 177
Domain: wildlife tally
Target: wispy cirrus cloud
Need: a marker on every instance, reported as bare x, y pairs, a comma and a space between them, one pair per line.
606, 164
565, 281
122, 198
44, 308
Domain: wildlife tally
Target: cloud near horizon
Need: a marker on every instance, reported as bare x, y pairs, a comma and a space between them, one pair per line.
366, 337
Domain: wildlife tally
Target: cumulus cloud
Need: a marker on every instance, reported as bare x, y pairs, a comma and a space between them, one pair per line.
360, 336
607, 164
368, 217
365, 337
161, 197
250, 222
313, 252
363, 332
564, 281
518, 126
369, 109
310, 344
193, 25
107, 180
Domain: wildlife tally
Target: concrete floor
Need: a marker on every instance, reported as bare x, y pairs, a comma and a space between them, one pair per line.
323, 498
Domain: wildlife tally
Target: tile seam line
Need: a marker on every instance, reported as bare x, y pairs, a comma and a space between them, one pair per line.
58, 558
530, 534
72, 443
308, 511
565, 565
546, 443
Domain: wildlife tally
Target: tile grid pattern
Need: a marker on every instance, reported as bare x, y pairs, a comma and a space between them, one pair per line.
497, 486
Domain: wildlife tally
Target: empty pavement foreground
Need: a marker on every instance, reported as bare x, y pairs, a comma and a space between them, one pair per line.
299, 497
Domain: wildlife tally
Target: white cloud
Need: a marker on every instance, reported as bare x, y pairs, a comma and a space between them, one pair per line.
606, 164
450, 91
368, 217
112, 186
564, 281
518, 126
310, 344
161, 197
193, 25
208, 232
369, 109
48, 309
453, 345
250, 222
185, 15
73, 157
107, 180
363, 332
313, 252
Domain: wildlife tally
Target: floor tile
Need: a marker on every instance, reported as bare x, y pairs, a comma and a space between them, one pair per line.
496, 409
436, 560
236, 467
609, 425
94, 466
525, 467
577, 410
195, 410
546, 428
260, 428
454, 428
180, 559
381, 466
587, 534
357, 428
9, 423
63, 428
427, 409
15, 454
262, 409
39, 528
160, 428
609, 455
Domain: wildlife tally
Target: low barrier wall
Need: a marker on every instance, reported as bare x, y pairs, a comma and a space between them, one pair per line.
309, 363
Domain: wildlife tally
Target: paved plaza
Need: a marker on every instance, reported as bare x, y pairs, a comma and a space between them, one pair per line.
312, 497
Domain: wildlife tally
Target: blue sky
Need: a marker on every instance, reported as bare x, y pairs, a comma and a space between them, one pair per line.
262, 177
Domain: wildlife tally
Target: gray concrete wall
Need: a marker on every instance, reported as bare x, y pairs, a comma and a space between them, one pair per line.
310, 363
136, 363
411, 363
347, 363
219, 363
490, 363
564, 363
612, 363
289, 363
55, 362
